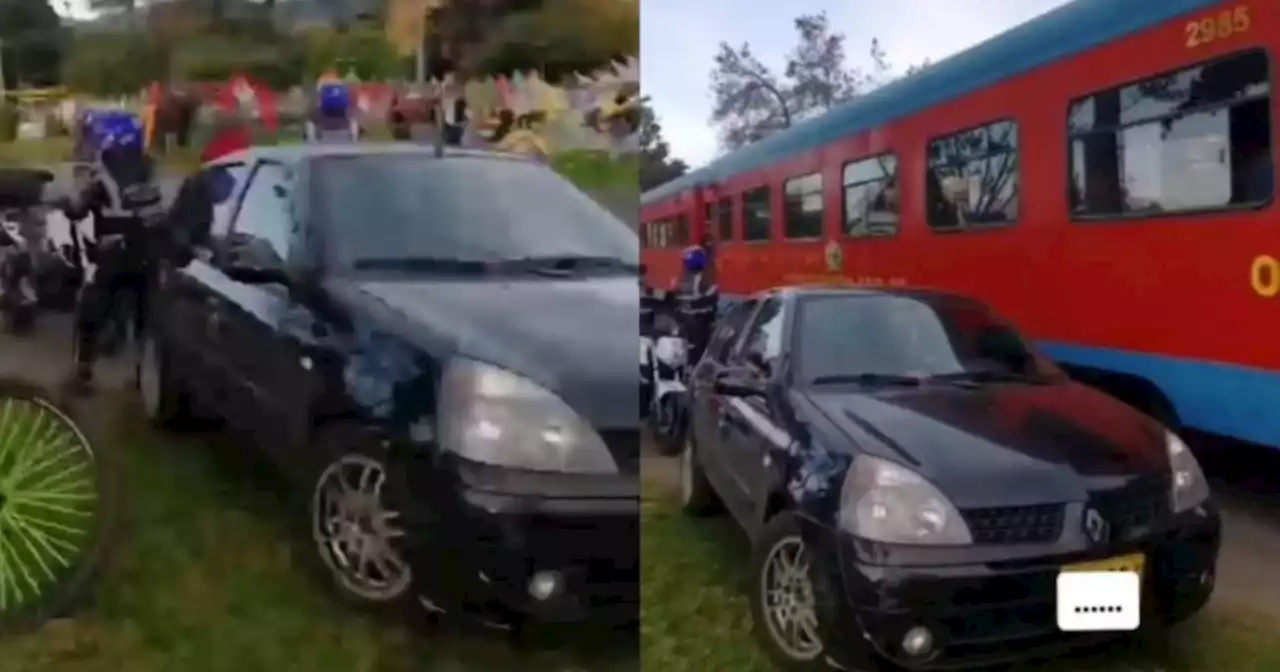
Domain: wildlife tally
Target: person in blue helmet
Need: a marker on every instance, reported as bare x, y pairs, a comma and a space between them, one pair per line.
697, 298
334, 117
111, 216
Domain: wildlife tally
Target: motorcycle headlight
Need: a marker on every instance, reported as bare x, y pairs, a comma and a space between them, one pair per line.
491, 415
884, 501
670, 351
1189, 488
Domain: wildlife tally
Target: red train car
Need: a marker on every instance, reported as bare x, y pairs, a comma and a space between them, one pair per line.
1102, 174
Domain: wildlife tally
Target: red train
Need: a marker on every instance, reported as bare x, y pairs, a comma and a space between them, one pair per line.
1103, 175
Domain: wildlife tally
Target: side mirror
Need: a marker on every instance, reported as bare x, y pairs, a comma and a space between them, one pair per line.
251, 275
758, 361
735, 384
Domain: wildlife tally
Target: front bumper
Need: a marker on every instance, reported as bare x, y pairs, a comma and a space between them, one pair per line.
476, 549
989, 609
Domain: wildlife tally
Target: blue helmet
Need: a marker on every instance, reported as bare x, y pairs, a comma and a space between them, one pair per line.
695, 259
335, 100
116, 128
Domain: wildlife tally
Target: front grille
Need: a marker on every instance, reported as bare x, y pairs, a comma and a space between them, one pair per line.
1040, 523
1135, 505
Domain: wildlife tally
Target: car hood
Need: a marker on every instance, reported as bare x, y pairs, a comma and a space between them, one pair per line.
576, 337
1002, 444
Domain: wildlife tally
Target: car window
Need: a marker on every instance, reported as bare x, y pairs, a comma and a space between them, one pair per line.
263, 224
907, 336
223, 183
727, 330
379, 210
763, 340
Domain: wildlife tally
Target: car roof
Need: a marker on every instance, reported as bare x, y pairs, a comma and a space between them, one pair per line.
796, 292
294, 153
1057, 34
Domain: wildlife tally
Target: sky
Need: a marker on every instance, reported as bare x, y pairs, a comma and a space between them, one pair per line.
679, 38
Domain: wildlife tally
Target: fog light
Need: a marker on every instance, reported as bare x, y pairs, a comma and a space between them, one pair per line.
545, 585
917, 642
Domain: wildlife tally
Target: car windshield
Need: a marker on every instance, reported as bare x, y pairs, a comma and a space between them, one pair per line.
415, 211
878, 339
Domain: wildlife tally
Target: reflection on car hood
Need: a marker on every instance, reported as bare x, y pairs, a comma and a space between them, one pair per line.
1001, 444
577, 336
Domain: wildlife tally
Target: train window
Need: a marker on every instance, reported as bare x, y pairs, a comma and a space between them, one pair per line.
871, 197
802, 206
724, 214
663, 233
756, 221
679, 232
972, 179
1192, 140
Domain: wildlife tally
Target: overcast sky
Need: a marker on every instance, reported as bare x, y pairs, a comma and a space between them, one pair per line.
679, 38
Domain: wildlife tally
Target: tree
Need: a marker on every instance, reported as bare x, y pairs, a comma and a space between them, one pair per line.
657, 166
33, 42
751, 102
113, 64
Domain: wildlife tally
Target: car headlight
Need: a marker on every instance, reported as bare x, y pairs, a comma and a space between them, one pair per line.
491, 415
887, 502
1189, 488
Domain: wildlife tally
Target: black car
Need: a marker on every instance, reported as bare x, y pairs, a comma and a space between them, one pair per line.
929, 475
438, 349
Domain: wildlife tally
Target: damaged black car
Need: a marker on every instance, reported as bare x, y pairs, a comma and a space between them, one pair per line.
913, 477
438, 349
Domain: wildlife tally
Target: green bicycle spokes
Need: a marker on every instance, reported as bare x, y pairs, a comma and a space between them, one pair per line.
48, 500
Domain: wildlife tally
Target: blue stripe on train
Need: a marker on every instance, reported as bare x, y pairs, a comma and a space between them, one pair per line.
1227, 399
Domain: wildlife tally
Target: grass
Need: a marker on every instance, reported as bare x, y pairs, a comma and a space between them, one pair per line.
208, 575
695, 614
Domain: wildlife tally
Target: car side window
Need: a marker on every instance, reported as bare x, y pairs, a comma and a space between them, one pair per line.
762, 345
262, 233
224, 183
727, 331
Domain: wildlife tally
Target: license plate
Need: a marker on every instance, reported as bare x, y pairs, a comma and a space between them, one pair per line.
1133, 562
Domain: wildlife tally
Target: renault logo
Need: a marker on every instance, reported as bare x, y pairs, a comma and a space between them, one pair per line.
1096, 527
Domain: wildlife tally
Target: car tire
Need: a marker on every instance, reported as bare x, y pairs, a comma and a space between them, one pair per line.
812, 591
349, 452
165, 400
697, 497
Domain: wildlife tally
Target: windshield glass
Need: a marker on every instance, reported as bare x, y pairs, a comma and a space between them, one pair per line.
378, 210
870, 337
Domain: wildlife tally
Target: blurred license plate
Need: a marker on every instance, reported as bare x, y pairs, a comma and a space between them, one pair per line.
1133, 562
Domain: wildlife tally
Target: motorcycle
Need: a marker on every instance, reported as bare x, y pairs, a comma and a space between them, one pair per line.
19, 302
666, 355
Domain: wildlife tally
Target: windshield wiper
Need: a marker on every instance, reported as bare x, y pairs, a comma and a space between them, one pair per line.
868, 379
568, 264
424, 264
991, 376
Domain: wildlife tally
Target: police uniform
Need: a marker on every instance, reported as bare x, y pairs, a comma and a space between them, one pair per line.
124, 201
697, 300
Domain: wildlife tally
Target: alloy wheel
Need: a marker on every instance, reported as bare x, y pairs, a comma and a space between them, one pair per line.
789, 604
356, 533
49, 502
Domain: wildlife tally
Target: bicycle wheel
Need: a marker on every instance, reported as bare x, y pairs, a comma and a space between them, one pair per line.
56, 507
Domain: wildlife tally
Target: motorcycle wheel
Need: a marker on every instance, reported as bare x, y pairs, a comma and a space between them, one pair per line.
57, 508
19, 320
668, 425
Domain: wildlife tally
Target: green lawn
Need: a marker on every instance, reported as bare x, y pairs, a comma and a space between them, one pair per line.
695, 615
209, 574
